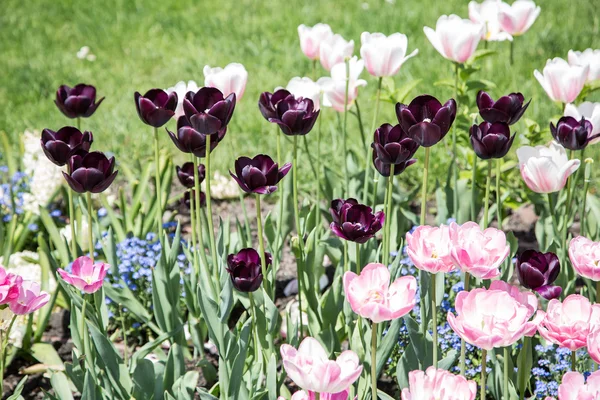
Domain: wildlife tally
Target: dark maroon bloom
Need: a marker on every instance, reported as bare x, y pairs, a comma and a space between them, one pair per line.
393, 145
491, 140
60, 146
537, 271
156, 107
189, 140
354, 222
267, 103
245, 269
425, 119
508, 109
295, 116
77, 102
185, 173
259, 174
190, 196
92, 172
573, 134
207, 111
385, 169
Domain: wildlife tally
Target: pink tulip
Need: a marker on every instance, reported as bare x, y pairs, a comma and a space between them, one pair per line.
231, 79
478, 252
334, 87
574, 386
335, 50
545, 169
310, 368
9, 286
384, 55
302, 395
311, 39
430, 248
85, 275
589, 58
585, 254
371, 296
494, 317
456, 39
306, 88
588, 110
561, 81
30, 299
487, 14
516, 19
593, 344
438, 384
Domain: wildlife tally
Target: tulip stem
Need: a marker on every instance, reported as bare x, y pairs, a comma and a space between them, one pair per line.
261, 244
200, 248
72, 223
374, 361
586, 185
434, 320
317, 396
368, 149
360, 124
345, 132
254, 326
506, 355
83, 330
455, 151
498, 197
357, 249
90, 230
551, 210
522, 374
597, 292
388, 216
299, 263
424, 187
159, 209
568, 207
211, 229
317, 183
512, 52
486, 204
474, 190
3, 347
194, 244
463, 344
279, 236
573, 361
483, 372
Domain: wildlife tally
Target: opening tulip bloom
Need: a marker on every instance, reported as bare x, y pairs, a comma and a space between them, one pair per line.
562, 82
425, 119
311, 369
185, 174
456, 39
438, 384
568, 324
589, 58
78, 101
591, 112
538, 271
430, 248
30, 299
61, 145
259, 174
295, 116
311, 39
245, 269
305, 88
575, 386
393, 145
353, 221
371, 296
585, 257
487, 13
545, 169
156, 107
517, 18
334, 87
508, 109
335, 50
231, 79
85, 275
384, 55
9, 286
207, 111
181, 89
92, 172
573, 134
491, 140
267, 103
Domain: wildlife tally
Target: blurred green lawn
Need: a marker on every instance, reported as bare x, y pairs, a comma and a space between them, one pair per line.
144, 44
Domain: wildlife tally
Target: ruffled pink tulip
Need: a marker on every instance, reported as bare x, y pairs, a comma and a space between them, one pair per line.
494, 317
430, 248
569, 323
9, 286
371, 296
589, 58
311, 369
311, 39
302, 395
561, 81
334, 87
517, 18
384, 55
574, 386
85, 275
30, 299
487, 14
546, 169
478, 252
335, 50
438, 384
585, 257
456, 39
306, 88
593, 344
231, 79
589, 111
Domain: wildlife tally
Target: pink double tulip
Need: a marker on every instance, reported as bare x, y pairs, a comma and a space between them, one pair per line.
517, 18
9, 286
589, 58
430, 248
335, 50
334, 87
585, 256
574, 386
371, 296
231, 79
30, 298
495, 317
569, 323
302, 395
561, 81
85, 275
311, 39
438, 384
311, 369
487, 14
456, 39
478, 252
384, 55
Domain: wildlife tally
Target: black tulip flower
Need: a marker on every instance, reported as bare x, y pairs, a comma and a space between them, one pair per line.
385, 169
259, 174
207, 110
185, 173
156, 107
78, 101
190, 196
267, 103
189, 140
425, 119
508, 109
61, 145
354, 222
295, 116
573, 134
537, 271
491, 140
92, 172
393, 145
245, 269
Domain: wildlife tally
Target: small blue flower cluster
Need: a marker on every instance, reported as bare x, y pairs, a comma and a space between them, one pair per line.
553, 362
17, 185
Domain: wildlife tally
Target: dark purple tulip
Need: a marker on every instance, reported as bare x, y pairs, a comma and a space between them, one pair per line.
354, 222
267, 103
156, 107
385, 169
573, 134
259, 174
491, 140
207, 111
77, 102
190, 196
92, 172
189, 140
245, 269
393, 145
61, 145
425, 119
537, 271
508, 109
295, 116
185, 173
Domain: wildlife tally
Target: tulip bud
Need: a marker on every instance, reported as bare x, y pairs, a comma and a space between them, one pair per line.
295, 116
508, 109
491, 140
185, 174
156, 107
425, 119
354, 222
245, 269
77, 102
393, 145
92, 172
60, 146
189, 197
259, 174
208, 111
189, 140
573, 134
537, 271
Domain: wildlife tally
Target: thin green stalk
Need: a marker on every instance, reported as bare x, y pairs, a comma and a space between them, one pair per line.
211, 229
463, 345
597, 292
454, 150
90, 230
522, 375
3, 347
568, 207
368, 147
317, 181
194, 243
279, 236
246, 219
83, 330
254, 327
345, 133
261, 244
300, 262
434, 320
506, 355
551, 210
586, 185
474, 190
72, 223
346, 257
483, 372
424, 186
125, 356
360, 124
159, 209
388, 216
486, 204
512, 52
357, 249
374, 361
573, 361
317, 396
200, 248
498, 197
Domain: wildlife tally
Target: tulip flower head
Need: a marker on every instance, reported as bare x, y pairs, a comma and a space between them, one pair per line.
353, 221
545, 169
585, 257
487, 13
575, 386
208, 111
9, 286
588, 58
335, 50
78, 101
591, 112
425, 119
189, 197
185, 174
334, 87
517, 18
385, 169
302, 395
491, 140
538, 271
306, 88
30, 298
156, 107
456, 39
593, 344
393, 145
295, 115
573, 134
93, 172
231, 79
259, 174
311, 369
438, 384
561, 81
311, 39
384, 55
508, 109
430, 248
61, 145
267, 102
189, 140
245, 269
85, 275
181, 89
